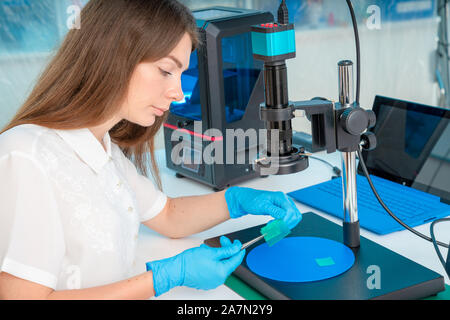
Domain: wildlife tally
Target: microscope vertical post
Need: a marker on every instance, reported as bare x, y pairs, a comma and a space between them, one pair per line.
351, 221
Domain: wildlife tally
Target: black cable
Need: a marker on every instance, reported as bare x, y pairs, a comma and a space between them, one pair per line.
417, 233
336, 170
358, 51
361, 159
434, 241
283, 14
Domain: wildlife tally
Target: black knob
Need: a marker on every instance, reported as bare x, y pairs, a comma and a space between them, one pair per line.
368, 141
354, 121
372, 119
185, 123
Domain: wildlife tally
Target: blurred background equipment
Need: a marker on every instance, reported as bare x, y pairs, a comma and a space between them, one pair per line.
223, 89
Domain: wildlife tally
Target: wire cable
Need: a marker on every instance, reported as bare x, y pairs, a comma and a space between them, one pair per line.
358, 51
336, 170
441, 258
361, 160
417, 233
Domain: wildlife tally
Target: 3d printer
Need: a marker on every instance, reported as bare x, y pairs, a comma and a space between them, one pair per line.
223, 89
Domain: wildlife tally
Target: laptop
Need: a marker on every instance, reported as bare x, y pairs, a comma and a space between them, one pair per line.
410, 169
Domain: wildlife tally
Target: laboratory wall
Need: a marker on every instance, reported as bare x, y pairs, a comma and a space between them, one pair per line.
30, 33
398, 46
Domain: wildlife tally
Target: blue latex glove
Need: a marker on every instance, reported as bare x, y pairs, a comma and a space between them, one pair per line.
242, 201
203, 267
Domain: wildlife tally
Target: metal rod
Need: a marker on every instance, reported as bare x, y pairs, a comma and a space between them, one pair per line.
248, 244
349, 186
345, 82
351, 222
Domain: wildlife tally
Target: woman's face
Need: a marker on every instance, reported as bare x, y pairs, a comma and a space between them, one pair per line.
155, 85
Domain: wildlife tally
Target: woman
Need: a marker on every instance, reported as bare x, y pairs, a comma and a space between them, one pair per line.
72, 199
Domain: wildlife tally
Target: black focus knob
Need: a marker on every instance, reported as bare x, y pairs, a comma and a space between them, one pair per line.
368, 141
372, 119
185, 123
354, 120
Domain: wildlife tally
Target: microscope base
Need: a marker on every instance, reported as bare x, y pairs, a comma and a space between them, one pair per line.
398, 277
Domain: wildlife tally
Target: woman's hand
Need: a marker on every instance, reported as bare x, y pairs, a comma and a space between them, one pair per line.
203, 267
242, 201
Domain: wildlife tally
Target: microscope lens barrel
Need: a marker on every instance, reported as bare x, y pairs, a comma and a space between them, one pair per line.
276, 84
275, 77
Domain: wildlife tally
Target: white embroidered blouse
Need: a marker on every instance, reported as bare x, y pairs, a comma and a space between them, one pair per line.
69, 210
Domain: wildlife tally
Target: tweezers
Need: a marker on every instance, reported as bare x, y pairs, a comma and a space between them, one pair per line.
249, 243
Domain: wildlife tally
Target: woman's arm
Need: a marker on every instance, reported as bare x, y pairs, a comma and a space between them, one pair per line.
185, 216
136, 288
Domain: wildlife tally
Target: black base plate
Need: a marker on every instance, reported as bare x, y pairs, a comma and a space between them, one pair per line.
399, 277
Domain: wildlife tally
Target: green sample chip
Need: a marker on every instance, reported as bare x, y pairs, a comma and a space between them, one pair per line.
325, 262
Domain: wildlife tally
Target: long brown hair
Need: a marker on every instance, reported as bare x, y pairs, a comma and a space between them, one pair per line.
88, 78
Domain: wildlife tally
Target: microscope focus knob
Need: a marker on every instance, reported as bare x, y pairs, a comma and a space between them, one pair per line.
372, 119
184, 123
368, 141
354, 120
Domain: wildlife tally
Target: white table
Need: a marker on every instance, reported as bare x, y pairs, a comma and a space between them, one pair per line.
152, 246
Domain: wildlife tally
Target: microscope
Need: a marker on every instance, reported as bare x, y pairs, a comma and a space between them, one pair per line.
339, 126
336, 126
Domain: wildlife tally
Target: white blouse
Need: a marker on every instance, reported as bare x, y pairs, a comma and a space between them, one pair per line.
69, 211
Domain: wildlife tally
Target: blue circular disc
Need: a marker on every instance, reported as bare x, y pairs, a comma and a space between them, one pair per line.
300, 259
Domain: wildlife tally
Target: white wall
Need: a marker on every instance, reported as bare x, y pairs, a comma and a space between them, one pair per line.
396, 61
18, 75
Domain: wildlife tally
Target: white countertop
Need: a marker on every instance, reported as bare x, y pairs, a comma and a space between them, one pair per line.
152, 246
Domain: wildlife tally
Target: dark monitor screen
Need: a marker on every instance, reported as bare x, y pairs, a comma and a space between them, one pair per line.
413, 146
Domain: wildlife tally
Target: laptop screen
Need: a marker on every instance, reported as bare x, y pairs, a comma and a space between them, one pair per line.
413, 146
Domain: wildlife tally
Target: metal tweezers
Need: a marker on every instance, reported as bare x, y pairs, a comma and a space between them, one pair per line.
248, 244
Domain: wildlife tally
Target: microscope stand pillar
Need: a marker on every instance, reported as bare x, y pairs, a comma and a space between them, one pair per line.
351, 222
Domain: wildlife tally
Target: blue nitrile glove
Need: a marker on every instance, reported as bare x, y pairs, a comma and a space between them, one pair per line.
242, 201
203, 267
